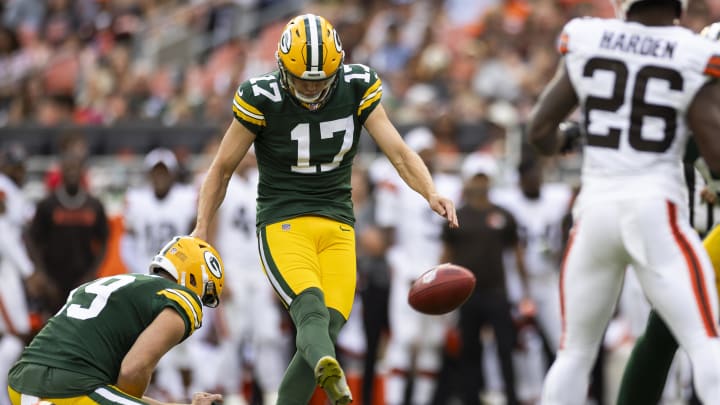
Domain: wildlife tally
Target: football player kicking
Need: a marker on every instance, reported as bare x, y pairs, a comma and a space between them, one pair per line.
305, 120
647, 369
104, 343
643, 83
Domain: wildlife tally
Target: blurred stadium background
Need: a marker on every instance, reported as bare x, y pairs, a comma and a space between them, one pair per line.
126, 76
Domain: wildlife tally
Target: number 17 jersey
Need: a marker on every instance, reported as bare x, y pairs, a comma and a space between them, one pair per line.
305, 157
635, 84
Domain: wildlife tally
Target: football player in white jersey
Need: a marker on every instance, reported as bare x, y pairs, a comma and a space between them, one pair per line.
647, 371
15, 264
156, 212
417, 247
643, 84
539, 209
251, 310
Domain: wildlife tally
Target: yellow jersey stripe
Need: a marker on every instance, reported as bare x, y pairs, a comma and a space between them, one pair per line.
375, 86
371, 95
247, 106
369, 103
243, 115
187, 303
242, 107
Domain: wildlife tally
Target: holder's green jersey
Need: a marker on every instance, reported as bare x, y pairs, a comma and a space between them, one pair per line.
305, 157
86, 341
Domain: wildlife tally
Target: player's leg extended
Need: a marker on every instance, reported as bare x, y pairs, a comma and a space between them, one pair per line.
292, 260
645, 374
289, 259
590, 282
338, 277
678, 279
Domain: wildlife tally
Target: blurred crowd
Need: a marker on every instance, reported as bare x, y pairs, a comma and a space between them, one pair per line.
459, 77
444, 63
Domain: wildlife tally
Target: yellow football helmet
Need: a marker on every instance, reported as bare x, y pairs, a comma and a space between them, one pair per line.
309, 51
194, 264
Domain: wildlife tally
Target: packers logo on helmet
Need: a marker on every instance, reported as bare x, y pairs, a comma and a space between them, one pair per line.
194, 264
309, 57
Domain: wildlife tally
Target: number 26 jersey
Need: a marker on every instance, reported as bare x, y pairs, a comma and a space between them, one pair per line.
305, 157
635, 84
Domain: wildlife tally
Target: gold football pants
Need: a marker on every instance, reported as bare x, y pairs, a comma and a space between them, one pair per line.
310, 251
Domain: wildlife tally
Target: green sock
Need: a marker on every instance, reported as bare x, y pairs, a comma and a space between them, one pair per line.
646, 372
298, 383
312, 321
315, 326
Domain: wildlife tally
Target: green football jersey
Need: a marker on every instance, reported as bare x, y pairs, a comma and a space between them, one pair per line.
86, 341
305, 157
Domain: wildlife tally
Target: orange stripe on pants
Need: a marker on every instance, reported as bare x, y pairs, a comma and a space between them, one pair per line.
696, 275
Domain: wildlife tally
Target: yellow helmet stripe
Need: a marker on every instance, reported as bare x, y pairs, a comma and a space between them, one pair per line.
187, 303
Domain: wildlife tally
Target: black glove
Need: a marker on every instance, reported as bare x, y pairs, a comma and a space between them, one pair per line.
570, 134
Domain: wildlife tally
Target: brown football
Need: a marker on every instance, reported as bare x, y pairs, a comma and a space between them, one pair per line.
441, 289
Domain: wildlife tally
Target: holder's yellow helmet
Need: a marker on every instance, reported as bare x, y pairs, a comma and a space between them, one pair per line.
194, 264
309, 49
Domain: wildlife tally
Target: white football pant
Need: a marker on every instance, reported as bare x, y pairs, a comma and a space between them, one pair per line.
675, 273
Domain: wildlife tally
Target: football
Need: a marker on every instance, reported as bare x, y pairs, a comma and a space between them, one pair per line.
441, 289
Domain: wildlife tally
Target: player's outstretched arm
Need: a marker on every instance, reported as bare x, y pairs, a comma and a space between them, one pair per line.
408, 164
232, 150
556, 102
703, 118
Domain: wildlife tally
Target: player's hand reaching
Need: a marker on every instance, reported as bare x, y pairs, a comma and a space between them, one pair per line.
204, 398
445, 208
